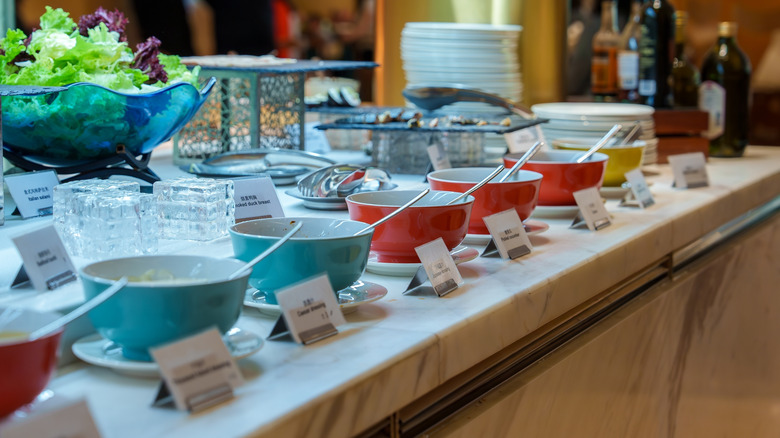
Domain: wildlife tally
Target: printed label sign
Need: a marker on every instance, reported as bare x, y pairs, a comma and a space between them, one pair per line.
256, 198
45, 259
33, 192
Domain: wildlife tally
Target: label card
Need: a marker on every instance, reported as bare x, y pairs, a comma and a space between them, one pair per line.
592, 210
32, 192
310, 311
198, 371
640, 191
256, 198
690, 170
522, 139
316, 140
508, 233
72, 420
439, 157
45, 259
439, 266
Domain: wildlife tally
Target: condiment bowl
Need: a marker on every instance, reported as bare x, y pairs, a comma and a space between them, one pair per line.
562, 175
428, 219
167, 298
321, 245
622, 158
26, 366
520, 192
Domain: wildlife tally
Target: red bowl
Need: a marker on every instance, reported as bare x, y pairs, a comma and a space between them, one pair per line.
520, 192
430, 218
26, 366
563, 176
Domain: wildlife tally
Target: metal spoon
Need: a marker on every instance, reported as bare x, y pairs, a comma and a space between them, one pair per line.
601, 143
78, 311
478, 185
265, 253
395, 212
524, 159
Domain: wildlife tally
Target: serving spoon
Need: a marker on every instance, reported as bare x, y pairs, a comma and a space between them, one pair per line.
601, 143
240, 271
478, 185
394, 212
524, 159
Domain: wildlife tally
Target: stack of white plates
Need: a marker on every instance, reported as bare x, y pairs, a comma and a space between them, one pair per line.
591, 120
480, 56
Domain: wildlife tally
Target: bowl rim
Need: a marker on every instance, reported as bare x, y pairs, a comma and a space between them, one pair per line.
462, 202
204, 89
47, 314
595, 158
436, 175
233, 231
156, 285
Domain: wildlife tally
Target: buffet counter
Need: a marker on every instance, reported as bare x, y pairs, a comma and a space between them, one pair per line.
407, 364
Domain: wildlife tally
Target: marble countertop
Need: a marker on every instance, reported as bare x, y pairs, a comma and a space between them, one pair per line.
399, 348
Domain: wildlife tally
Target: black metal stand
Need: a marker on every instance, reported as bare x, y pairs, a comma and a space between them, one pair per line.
98, 168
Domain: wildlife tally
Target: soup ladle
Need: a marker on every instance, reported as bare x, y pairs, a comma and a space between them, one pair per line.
601, 143
266, 253
521, 162
394, 212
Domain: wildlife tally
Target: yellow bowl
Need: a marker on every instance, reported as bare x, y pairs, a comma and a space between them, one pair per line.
622, 158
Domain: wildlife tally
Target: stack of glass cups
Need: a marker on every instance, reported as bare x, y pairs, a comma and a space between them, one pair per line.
195, 208
101, 219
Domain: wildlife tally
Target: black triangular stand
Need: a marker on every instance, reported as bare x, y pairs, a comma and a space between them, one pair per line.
579, 221
416, 288
280, 332
21, 278
491, 250
164, 398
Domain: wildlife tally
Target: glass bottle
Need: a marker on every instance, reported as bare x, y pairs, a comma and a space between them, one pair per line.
725, 94
685, 76
656, 49
603, 66
628, 56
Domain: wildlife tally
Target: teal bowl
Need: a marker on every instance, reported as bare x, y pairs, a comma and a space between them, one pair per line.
322, 245
154, 309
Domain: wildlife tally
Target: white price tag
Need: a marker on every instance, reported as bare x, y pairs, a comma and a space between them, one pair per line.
256, 198
439, 266
522, 139
690, 170
310, 309
198, 371
71, 420
439, 157
592, 208
33, 192
639, 188
45, 259
508, 234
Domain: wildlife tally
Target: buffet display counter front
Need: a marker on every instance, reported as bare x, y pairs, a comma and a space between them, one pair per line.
661, 324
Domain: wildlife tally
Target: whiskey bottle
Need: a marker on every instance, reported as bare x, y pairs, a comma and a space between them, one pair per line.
604, 61
685, 76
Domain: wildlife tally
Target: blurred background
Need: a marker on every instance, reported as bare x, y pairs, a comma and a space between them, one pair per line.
554, 46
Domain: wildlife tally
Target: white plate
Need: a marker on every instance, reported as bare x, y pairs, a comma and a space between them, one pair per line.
316, 203
532, 228
361, 292
460, 254
596, 111
555, 211
96, 350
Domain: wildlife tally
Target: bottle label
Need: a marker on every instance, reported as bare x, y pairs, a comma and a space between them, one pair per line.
628, 70
604, 70
712, 98
646, 87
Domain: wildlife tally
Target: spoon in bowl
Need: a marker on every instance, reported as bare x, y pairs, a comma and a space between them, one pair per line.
601, 143
524, 159
395, 212
78, 311
265, 253
478, 185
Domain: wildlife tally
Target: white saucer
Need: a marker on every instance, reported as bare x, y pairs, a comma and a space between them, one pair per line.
361, 292
555, 211
96, 350
532, 228
460, 254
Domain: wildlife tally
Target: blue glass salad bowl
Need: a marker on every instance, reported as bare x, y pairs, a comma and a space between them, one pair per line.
88, 122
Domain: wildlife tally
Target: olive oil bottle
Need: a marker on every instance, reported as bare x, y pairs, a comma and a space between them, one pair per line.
603, 69
725, 94
656, 50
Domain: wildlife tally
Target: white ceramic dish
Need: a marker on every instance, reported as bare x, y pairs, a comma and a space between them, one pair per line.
362, 292
471, 28
96, 350
461, 254
596, 111
555, 211
532, 228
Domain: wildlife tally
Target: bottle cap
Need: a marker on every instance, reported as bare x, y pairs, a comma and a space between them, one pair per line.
727, 29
